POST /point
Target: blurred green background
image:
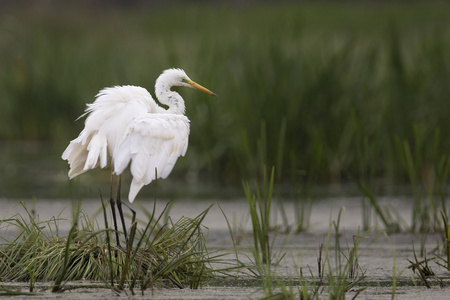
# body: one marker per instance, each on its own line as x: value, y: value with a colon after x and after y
x: 328, y: 92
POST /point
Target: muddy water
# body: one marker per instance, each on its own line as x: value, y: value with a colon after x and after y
x: 382, y: 257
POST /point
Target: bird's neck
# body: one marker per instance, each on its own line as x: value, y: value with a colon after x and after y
x: 170, y: 98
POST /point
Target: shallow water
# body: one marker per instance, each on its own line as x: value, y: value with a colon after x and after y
x: 35, y: 169
x: 378, y: 252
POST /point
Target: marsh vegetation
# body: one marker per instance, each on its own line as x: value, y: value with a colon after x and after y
x: 311, y: 96
x: 329, y: 90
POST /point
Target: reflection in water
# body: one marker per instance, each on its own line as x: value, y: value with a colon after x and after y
x: 35, y: 169
x: 31, y: 169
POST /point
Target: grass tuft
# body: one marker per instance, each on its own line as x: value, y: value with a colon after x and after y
x: 173, y: 255
x: 260, y: 204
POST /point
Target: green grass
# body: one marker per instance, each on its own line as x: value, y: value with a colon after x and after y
x: 338, y: 267
x: 260, y: 203
x: 162, y: 254
x: 301, y: 86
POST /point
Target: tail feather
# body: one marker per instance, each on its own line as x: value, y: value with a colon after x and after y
x: 85, y: 153
x: 97, y: 152
x: 75, y: 154
x: 135, y: 187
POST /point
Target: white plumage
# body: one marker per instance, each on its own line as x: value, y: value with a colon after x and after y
x: 125, y: 126
x: 151, y: 142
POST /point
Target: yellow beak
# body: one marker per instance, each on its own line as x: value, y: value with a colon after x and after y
x: 200, y: 88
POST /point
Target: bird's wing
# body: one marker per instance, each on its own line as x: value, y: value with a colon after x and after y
x: 107, y: 119
x: 86, y: 152
x: 152, y: 143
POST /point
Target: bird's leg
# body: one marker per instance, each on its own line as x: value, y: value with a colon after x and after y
x: 113, y: 209
x: 119, y: 206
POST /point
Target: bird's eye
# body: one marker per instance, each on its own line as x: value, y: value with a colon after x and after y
x: 184, y: 80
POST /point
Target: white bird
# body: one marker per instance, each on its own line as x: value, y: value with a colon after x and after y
x: 125, y: 126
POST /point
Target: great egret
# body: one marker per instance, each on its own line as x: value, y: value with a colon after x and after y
x: 125, y: 126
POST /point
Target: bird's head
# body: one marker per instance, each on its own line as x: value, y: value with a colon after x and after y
x: 177, y: 77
